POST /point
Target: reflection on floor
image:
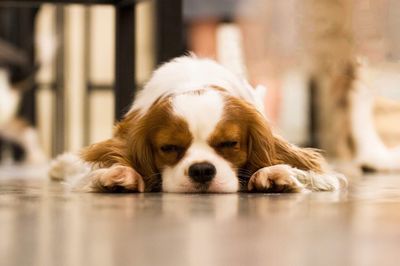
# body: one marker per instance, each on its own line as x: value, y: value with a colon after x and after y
x: 40, y: 224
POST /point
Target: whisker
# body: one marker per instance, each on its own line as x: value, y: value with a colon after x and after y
x: 243, y: 174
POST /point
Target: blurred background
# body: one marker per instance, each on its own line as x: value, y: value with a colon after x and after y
x: 283, y: 45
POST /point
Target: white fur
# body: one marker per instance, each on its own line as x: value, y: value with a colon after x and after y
x: 330, y: 181
x: 175, y: 179
x: 187, y: 73
x: 9, y: 99
x: 67, y: 165
x: 202, y: 113
x: 71, y: 169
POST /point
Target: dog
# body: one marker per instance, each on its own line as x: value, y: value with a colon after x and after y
x: 13, y: 128
x: 371, y: 153
x: 195, y: 127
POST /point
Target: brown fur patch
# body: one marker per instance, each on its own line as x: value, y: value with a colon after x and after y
x: 230, y: 129
x: 138, y: 140
x: 260, y: 146
x: 173, y: 133
x: 107, y: 153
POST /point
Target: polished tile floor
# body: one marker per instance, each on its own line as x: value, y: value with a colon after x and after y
x: 41, y: 224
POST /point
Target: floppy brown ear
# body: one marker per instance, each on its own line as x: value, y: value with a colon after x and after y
x: 107, y: 153
x: 142, y: 157
x: 260, y: 141
x: 135, y: 131
x: 129, y: 147
x: 115, y: 150
x: 301, y: 158
x: 261, y: 147
x: 266, y: 149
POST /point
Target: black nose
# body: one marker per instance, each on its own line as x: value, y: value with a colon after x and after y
x: 202, y: 172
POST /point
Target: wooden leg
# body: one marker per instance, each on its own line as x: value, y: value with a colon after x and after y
x: 125, y: 82
x: 169, y: 29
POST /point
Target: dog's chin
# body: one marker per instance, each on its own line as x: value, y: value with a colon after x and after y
x: 188, y: 187
x: 214, y: 186
x: 200, y: 188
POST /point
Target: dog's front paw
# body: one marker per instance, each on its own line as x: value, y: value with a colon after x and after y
x: 277, y: 178
x: 120, y: 179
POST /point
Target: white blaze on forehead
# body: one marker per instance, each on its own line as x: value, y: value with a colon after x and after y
x: 202, y: 112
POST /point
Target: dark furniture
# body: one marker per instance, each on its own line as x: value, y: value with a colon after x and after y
x: 169, y: 39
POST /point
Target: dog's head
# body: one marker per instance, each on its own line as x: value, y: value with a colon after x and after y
x: 200, y: 141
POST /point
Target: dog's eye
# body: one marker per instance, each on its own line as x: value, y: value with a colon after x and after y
x: 171, y: 148
x: 227, y: 144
